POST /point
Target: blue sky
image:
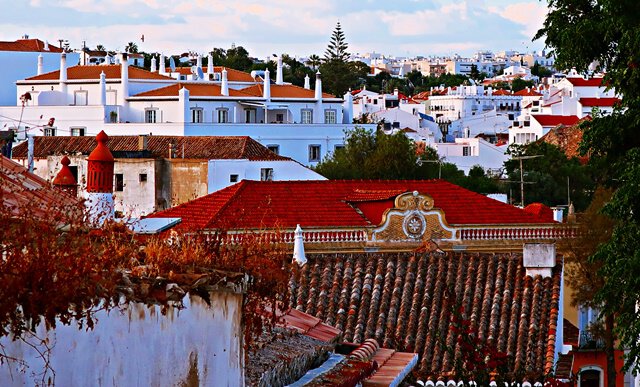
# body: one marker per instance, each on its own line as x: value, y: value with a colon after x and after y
x: 297, y: 27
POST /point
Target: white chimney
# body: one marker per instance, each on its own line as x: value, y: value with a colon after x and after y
x: 266, y: 94
x: 307, y: 82
x: 347, y: 115
x: 558, y: 214
x: 161, y: 66
x: 103, y: 89
x: 154, y: 64
x: 124, y: 77
x: 40, y: 65
x: 46, y: 46
x: 199, y: 61
x: 318, y: 90
x: 224, y: 87
x: 210, y: 64
x: 63, y: 73
x: 183, y: 103
x: 298, y: 247
x: 279, y: 80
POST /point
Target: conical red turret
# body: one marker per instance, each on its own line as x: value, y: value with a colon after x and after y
x: 100, y: 167
x: 64, y: 180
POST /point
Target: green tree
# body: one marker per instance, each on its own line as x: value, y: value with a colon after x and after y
x: 314, y: 61
x: 612, y: 143
x: 131, y: 47
x: 100, y: 47
x: 474, y: 73
x: 337, y: 48
x: 540, y: 71
x: 520, y: 84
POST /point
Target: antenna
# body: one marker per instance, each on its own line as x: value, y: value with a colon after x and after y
x: 522, y: 182
x: 172, y: 64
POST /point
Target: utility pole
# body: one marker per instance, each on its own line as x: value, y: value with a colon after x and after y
x: 522, y: 175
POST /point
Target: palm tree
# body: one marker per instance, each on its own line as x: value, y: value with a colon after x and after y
x: 314, y: 61
x: 131, y: 47
x: 100, y: 47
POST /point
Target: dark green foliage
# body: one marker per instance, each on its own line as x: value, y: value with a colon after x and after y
x: 236, y: 57
x: 548, y: 174
x: 540, y: 71
x: 337, y: 49
x: 520, y: 84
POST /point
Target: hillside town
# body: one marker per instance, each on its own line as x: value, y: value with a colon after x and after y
x: 221, y: 218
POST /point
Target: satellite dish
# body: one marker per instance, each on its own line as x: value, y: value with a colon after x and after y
x: 200, y: 73
x: 172, y: 64
x: 194, y: 71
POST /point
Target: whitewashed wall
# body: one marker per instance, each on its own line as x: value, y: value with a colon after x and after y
x: 139, y: 346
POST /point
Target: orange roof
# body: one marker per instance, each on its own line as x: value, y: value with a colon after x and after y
x: 28, y: 45
x: 93, y: 73
x: 603, y: 102
x: 195, y: 90
x: 528, y: 93
x: 233, y: 75
x: 284, y: 91
x: 591, y: 82
x: 502, y: 92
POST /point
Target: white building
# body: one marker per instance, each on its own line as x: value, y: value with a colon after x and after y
x: 466, y: 153
x: 25, y: 58
x: 304, y: 124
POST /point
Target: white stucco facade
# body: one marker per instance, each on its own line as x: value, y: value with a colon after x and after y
x: 465, y: 153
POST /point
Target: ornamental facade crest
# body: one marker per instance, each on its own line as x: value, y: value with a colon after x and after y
x: 413, y: 219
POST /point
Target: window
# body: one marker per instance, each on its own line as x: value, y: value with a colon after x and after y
x: 266, y: 174
x: 274, y: 148
x: 77, y: 132
x: 196, y: 115
x: 118, y: 184
x: 314, y: 153
x: 80, y: 98
x: 466, y: 150
x: 49, y: 130
x: 223, y: 115
x: 338, y: 147
x: 279, y: 118
x: 233, y: 178
x: 150, y: 116
x: 329, y: 116
x: 249, y: 116
x: 306, y: 116
x: 143, y: 177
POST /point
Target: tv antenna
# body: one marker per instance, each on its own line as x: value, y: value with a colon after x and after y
x: 522, y: 174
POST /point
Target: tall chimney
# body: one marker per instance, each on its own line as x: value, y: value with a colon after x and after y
x: 210, y: 64
x: 161, y: 65
x: 64, y: 180
x: 40, y: 65
x: 307, y: 83
x: 199, y: 61
x: 99, y: 195
x: 124, y: 78
x: 143, y: 142
x: 63, y: 73
x: 266, y: 94
x: 318, y: 90
x: 347, y: 111
x: 224, y: 87
x: 318, y: 114
x: 103, y: 89
x: 154, y: 64
x: 279, y: 80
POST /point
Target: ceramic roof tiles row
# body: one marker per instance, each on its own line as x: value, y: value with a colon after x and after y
x: 405, y: 302
x: 194, y: 147
x: 28, y: 45
x: 93, y: 73
x: 325, y: 204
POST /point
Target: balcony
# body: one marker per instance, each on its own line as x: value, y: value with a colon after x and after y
x: 590, y: 341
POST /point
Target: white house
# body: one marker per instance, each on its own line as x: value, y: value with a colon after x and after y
x: 24, y: 58
x: 302, y: 123
x: 466, y: 153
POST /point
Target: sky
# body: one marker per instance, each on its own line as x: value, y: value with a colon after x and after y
x: 295, y: 27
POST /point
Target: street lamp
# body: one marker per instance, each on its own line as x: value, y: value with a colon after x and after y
x: 421, y: 161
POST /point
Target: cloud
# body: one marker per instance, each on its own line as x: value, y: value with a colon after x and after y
x: 530, y: 15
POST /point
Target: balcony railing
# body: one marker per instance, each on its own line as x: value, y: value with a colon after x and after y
x: 517, y: 232
x: 590, y: 341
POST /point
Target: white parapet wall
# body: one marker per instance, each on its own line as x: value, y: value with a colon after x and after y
x: 139, y: 345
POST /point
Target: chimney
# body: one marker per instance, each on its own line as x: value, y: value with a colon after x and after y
x: 279, y: 80
x: 210, y: 64
x: 347, y: 111
x: 103, y: 89
x: 199, y: 61
x: 63, y: 73
x: 558, y: 213
x: 46, y: 46
x: 307, y: 83
x: 64, y: 180
x: 318, y: 90
x: 143, y: 142
x: 266, y: 94
x: 154, y: 64
x: 124, y: 78
x: 99, y: 195
x: 539, y: 259
x: 183, y: 102
x: 40, y: 65
x: 224, y: 86
x: 298, y: 247
x: 161, y: 66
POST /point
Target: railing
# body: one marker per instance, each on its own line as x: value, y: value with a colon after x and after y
x: 517, y: 232
x: 288, y: 237
x: 590, y: 341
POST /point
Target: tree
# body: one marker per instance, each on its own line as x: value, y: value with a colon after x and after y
x: 337, y: 49
x: 314, y: 61
x: 540, y: 71
x: 520, y: 84
x: 612, y: 143
x: 100, y: 47
x: 131, y: 47
x: 474, y: 73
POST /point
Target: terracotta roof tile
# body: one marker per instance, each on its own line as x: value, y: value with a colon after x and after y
x: 28, y: 45
x: 324, y: 204
x: 553, y: 120
x: 194, y: 147
x: 502, y: 92
x: 284, y: 91
x: 233, y: 75
x: 195, y: 90
x: 602, y: 101
x: 567, y: 138
x: 591, y: 82
x: 527, y: 93
x: 515, y: 312
x: 93, y: 73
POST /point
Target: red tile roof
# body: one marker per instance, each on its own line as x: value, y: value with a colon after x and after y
x: 233, y: 75
x: 527, y: 93
x: 591, y: 82
x: 194, y: 147
x: 256, y: 204
x: 401, y: 301
x: 567, y: 138
x: 284, y: 91
x: 540, y: 210
x: 605, y: 101
x: 310, y: 326
x: 502, y: 92
x: 93, y: 73
x: 195, y: 90
x: 553, y: 120
x: 28, y: 45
